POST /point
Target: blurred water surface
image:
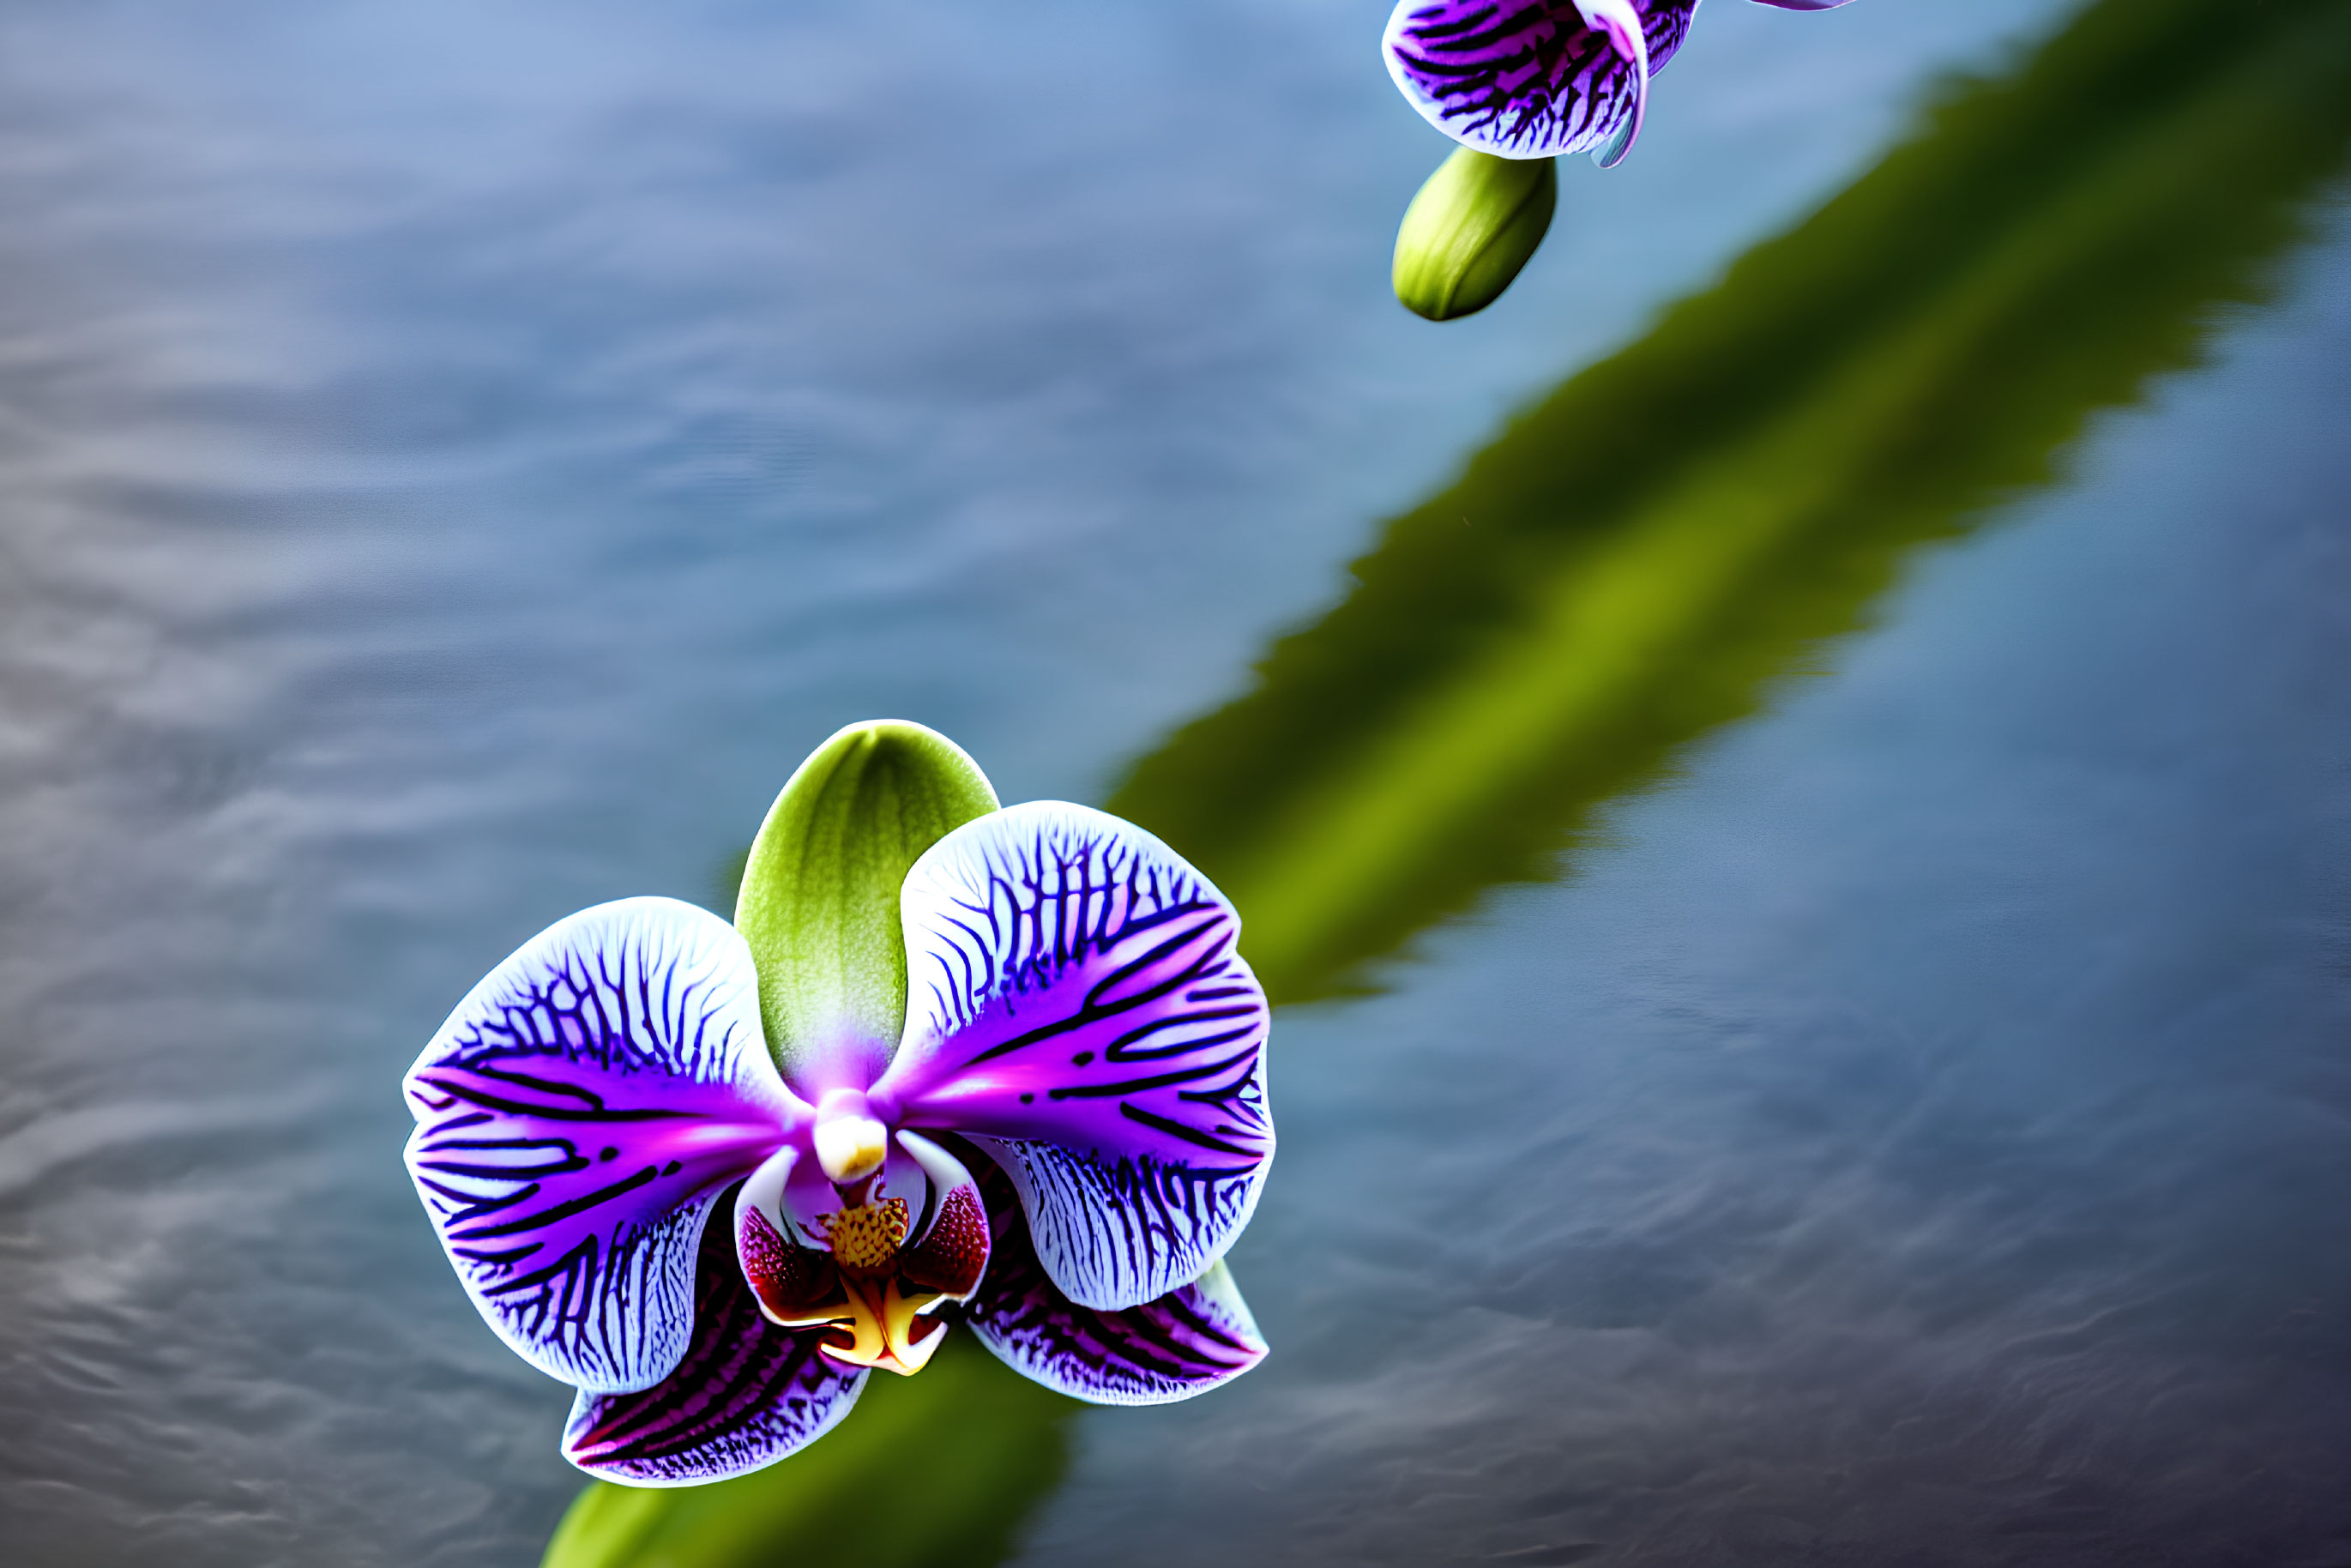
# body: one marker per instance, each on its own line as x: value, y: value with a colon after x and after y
x: 453, y: 462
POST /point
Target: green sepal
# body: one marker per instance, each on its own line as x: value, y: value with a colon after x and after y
x: 819, y: 902
x: 1470, y: 229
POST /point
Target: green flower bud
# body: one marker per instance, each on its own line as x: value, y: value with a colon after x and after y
x: 1469, y: 230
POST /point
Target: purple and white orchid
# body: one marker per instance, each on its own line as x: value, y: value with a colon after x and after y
x: 1534, y: 79
x: 1057, y: 1147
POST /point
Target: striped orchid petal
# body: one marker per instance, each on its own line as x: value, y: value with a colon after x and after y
x: 1076, y: 1007
x: 1184, y: 1343
x: 745, y: 1393
x: 577, y: 1116
x: 1534, y: 79
x: 1620, y: 20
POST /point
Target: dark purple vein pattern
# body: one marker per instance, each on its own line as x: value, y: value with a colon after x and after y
x: 1524, y: 78
x: 577, y: 1116
x: 1076, y: 1004
x: 1184, y: 1343
x: 1115, y: 1234
x: 744, y: 1395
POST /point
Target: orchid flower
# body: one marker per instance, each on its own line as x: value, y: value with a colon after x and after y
x: 1534, y: 79
x: 953, y: 1063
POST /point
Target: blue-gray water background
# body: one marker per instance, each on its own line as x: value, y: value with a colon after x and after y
x: 454, y: 461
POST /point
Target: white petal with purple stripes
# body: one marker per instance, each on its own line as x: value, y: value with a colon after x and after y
x: 1076, y: 1005
x: 1115, y: 1234
x: 577, y: 1116
x: 745, y: 1394
x: 1532, y: 79
x: 1183, y: 1342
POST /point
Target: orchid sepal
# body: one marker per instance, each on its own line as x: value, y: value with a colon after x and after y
x: 1180, y: 1344
x: 819, y: 899
x: 745, y: 1393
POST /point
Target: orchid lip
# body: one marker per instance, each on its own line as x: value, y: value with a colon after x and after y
x: 886, y: 1329
x: 865, y: 1278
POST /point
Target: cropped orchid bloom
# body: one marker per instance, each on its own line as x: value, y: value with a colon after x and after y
x: 1056, y: 1146
x: 1534, y: 79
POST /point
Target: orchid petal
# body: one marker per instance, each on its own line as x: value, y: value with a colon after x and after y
x: 1184, y: 1343
x: 1622, y: 23
x: 1115, y: 1235
x: 1077, y: 1008
x: 1532, y: 78
x: 745, y: 1393
x: 577, y: 1117
x: 1804, y: 4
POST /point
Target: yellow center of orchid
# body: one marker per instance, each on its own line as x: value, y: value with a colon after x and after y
x: 866, y: 1237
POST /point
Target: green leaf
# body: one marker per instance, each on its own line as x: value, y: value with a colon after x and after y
x: 820, y: 898
x: 1646, y: 552
x: 1474, y: 224
x: 936, y: 1471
